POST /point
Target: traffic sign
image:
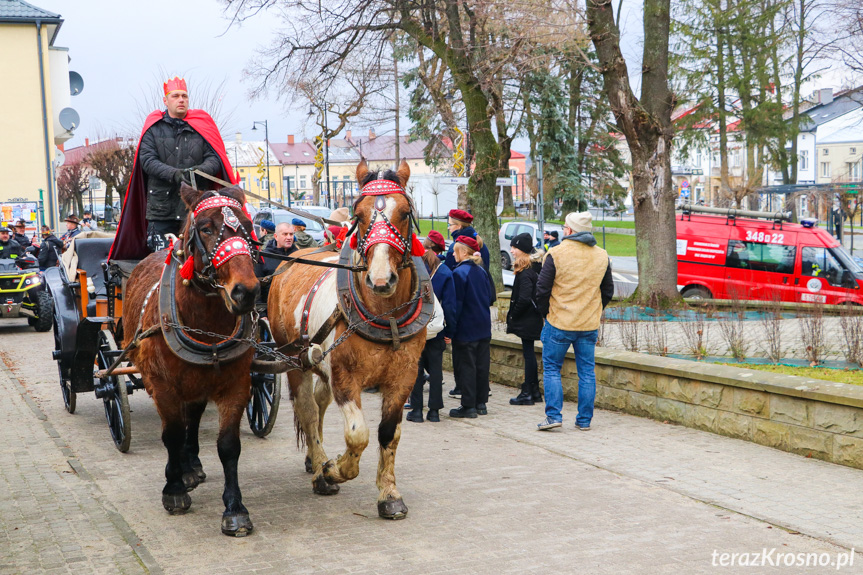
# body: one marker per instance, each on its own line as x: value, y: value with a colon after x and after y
x: 455, y: 181
x: 684, y: 184
x: 503, y: 182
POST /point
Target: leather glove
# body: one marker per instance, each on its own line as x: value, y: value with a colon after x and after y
x: 177, y: 176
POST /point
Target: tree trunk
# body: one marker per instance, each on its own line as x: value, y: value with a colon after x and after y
x: 647, y: 127
x: 724, y: 188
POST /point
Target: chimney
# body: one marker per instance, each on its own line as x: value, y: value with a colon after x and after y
x: 86, y: 141
x: 239, y: 137
x: 372, y: 134
x: 826, y: 95
x: 290, y: 139
x: 348, y: 135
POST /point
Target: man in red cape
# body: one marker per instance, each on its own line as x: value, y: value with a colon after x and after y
x: 171, y: 142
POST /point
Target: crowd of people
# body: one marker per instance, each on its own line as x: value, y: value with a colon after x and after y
x: 15, y: 243
x: 558, y: 296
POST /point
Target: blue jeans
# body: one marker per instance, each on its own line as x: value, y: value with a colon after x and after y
x: 555, y: 344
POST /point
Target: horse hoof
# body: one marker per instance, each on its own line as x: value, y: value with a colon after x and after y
x: 176, y: 503
x: 321, y: 487
x: 191, y: 480
x: 199, y: 472
x: 237, y: 524
x: 309, y: 468
x: 392, y: 508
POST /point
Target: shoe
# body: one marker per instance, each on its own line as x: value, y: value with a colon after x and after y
x: 522, y: 398
x: 481, y: 409
x: 582, y: 427
x: 537, y: 397
x: 408, y: 405
x: 489, y: 392
x: 415, y: 415
x: 433, y: 416
x: 455, y: 393
x: 462, y: 412
x: 547, y: 424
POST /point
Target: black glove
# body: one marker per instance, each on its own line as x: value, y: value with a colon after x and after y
x: 177, y: 177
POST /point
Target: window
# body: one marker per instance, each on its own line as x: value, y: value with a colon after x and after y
x: 303, y: 182
x: 804, y: 160
x: 818, y: 262
x: 854, y: 170
x: 853, y: 151
x: 698, y: 160
x: 761, y: 257
x: 735, y: 159
x: 825, y: 169
x: 346, y: 178
x: 291, y: 183
x: 510, y: 231
x: 826, y: 152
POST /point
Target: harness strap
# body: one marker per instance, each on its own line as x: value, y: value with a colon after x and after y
x: 307, y: 307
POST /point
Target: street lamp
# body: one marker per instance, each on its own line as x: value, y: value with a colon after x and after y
x: 267, y: 152
x: 326, y: 147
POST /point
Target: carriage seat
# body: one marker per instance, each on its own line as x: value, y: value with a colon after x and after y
x: 92, y: 252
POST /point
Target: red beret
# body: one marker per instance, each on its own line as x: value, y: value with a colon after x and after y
x: 436, y: 238
x: 461, y: 216
x: 469, y: 242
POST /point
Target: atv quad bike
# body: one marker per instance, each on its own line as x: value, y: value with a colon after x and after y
x: 22, y: 293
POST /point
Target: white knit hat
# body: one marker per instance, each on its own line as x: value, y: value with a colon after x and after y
x: 579, y: 221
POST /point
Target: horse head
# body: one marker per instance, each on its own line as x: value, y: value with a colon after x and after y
x: 217, y: 242
x: 383, y: 235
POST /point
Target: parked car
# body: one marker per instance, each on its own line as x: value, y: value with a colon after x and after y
x: 313, y: 228
x: 511, y: 229
x: 761, y: 258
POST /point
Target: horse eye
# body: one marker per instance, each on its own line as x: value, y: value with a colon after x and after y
x: 208, y: 230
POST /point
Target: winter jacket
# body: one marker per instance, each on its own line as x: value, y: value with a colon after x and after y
x: 443, y: 285
x: 303, y: 240
x: 575, y: 283
x: 268, y: 265
x: 523, y: 319
x: 48, y: 250
x: 170, y: 146
x: 449, y: 260
x: 473, y: 298
x: 10, y: 249
x: 22, y: 240
x: 68, y: 236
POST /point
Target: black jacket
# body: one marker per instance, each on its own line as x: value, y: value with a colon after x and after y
x: 47, y: 255
x: 11, y: 249
x: 170, y: 146
x: 22, y: 240
x: 546, y: 277
x: 523, y: 319
x: 268, y: 265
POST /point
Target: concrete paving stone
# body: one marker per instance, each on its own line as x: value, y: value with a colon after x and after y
x: 490, y: 495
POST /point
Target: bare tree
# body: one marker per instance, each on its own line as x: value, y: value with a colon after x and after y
x: 72, y: 181
x: 113, y: 165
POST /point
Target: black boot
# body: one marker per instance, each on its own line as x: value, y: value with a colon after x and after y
x: 523, y: 398
x: 534, y: 392
x: 415, y: 415
x: 433, y: 416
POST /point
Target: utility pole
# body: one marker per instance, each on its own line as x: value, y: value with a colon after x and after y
x: 540, y: 204
x: 398, y: 108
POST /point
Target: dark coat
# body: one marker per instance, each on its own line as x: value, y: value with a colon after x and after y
x: 47, y: 255
x: 523, y: 319
x: 168, y: 147
x: 443, y: 285
x: 22, y: 240
x: 473, y: 297
x: 268, y: 265
x: 11, y: 249
x: 449, y: 260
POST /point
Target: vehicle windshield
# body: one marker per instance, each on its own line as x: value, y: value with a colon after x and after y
x: 843, y: 256
x: 311, y: 225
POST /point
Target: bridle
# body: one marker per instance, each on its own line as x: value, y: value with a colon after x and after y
x: 381, y: 230
x: 225, y: 249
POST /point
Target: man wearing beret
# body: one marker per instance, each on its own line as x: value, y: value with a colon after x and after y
x: 301, y: 239
x: 268, y: 228
x: 459, y: 224
x: 573, y: 288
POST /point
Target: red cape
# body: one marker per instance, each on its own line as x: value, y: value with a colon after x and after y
x: 130, y: 243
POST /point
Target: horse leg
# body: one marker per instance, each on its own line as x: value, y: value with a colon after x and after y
x: 323, y: 397
x: 347, y: 466
x: 174, y: 497
x: 235, y: 520
x: 306, y: 412
x: 390, y: 503
x: 193, y: 471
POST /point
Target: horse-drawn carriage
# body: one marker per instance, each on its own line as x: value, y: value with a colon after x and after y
x: 87, y: 290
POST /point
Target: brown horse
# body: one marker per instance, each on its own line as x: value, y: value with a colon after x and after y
x: 216, y: 286
x: 357, y: 363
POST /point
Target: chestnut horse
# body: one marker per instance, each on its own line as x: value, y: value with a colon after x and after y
x: 357, y: 363
x: 214, y: 292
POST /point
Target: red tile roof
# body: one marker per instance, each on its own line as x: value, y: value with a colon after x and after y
x: 79, y: 154
x: 382, y: 148
x: 298, y: 153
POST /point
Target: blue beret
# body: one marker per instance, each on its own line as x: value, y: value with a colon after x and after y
x: 268, y: 225
x: 298, y: 222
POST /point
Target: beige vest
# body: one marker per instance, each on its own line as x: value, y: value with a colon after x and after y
x: 576, y: 303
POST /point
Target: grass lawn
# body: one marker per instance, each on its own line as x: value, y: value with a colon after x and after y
x: 854, y: 377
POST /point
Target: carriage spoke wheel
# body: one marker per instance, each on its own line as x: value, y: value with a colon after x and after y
x: 266, y: 393
x: 65, y: 383
x: 114, y: 395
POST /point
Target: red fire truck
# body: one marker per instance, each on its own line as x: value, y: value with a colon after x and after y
x: 737, y: 254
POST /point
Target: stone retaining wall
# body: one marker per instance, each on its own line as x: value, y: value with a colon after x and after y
x: 810, y: 417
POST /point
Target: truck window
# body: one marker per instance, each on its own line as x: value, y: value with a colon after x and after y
x: 761, y: 257
x: 819, y: 262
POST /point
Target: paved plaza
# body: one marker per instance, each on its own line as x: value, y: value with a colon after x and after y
x: 489, y: 495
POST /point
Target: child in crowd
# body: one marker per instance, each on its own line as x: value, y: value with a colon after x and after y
x: 474, y: 295
x: 523, y: 319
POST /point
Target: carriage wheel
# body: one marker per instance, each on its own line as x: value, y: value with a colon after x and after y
x: 266, y: 394
x: 65, y: 382
x: 115, y: 396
